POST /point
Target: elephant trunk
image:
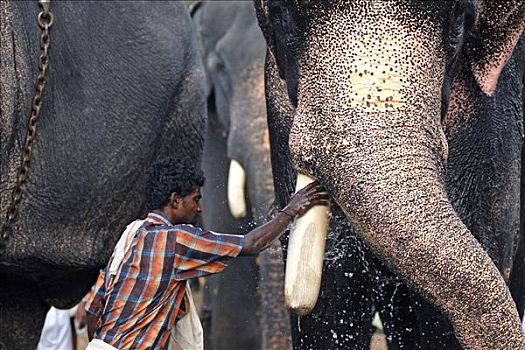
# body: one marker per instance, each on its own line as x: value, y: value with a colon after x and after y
x: 388, y: 180
x: 407, y: 218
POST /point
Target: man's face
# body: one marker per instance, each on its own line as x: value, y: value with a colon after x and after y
x: 191, y: 206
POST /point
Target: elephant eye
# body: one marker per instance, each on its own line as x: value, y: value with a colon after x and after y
x: 215, y: 62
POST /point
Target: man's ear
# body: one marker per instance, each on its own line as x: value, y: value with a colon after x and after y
x: 175, y: 200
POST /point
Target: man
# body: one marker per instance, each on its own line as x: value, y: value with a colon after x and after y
x: 137, y: 306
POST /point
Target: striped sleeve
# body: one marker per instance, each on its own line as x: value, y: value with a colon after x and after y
x: 95, y: 301
x: 199, y: 253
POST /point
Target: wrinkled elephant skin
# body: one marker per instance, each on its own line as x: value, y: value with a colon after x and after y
x: 365, y: 80
x: 125, y: 87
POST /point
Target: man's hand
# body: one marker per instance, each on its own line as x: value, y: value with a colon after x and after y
x: 261, y: 237
x: 304, y: 199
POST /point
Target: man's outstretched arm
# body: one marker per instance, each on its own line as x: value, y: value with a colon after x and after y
x: 262, y: 237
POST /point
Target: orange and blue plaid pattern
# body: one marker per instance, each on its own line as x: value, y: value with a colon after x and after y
x: 141, y: 306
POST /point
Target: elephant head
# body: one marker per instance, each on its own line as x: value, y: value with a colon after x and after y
x: 233, y: 49
x: 236, y: 88
x: 363, y: 87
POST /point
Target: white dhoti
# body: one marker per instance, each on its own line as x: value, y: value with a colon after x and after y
x: 56, y: 334
x: 97, y: 344
x: 187, y: 333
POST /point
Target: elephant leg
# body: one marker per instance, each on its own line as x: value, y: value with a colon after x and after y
x: 275, y: 323
x: 65, y: 291
x: 22, y: 314
x: 435, y: 330
x: 397, y: 310
x: 343, y: 314
x: 410, y: 321
x: 210, y: 287
x: 517, y: 276
x: 233, y: 325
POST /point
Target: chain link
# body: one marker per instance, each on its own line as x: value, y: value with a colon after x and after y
x: 45, y: 21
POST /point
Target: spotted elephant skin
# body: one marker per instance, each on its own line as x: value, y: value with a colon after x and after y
x: 250, y: 292
x: 126, y: 86
x: 410, y: 114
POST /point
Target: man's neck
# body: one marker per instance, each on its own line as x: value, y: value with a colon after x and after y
x: 166, y: 213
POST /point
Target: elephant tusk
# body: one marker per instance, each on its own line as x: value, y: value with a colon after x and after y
x: 377, y: 323
x: 304, y: 263
x: 236, y: 194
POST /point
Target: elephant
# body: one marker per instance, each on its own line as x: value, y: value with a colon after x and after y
x: 386, y: 103
x: 237, y: 158
x: 125, y: 86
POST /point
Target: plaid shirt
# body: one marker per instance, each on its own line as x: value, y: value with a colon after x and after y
x: 141, y: 307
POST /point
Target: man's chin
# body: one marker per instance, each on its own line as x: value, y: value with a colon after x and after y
x: 197, y: 220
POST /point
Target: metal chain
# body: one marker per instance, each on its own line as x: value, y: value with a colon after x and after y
x: 45, y: 21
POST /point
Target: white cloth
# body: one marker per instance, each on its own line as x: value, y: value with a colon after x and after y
x: 122, y: 247
x: 187, y: 333
x: 97, y: 344
x: 56, y: 334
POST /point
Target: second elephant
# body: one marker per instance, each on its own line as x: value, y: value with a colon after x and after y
x: 239, y: 189
x: 358, y: 94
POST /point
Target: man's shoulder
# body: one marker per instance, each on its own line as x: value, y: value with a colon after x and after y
x: 186, y: 228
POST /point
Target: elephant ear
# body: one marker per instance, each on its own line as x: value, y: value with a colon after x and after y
x: 278, y: 22
x: 500, y: 24
x: 275, y: 20
x: 262, y: 11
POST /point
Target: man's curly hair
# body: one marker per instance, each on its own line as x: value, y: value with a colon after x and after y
x: 171, y: 175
